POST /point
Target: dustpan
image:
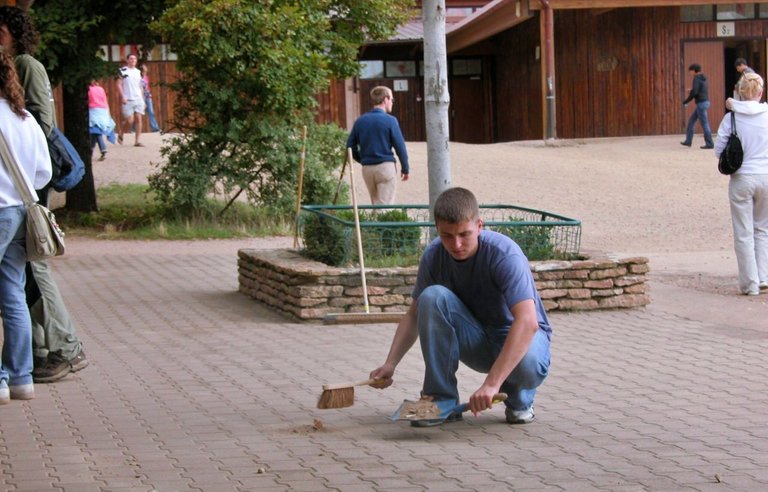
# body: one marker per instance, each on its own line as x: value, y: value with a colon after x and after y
x: 433, y: 412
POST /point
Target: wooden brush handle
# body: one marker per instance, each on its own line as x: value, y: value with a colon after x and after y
x: 335, y: 386
x: 498, y: 398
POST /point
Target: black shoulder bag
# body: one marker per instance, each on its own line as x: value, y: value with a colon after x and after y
x: 733, y: 154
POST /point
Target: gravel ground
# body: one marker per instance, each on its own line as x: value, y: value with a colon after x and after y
x: 645, y: 196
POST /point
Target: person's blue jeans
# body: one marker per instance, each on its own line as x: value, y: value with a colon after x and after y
x: 701, y: 115
x: 98, y: 138
x: 151, y: 114
x: 16, y: 367
x: 450, y: 333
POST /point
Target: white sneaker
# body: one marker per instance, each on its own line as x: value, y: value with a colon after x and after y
x: 763, y: 285
x: 520, y: 416
x: 5, y: 394
x: 22, y: 391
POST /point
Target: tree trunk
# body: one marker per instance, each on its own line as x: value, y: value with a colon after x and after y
x: 436, y: 99
x: 81, y: 198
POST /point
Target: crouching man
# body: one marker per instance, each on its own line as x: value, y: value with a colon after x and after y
x: 474, y: 301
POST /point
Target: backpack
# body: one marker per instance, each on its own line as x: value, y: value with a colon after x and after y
x: 68, y: 167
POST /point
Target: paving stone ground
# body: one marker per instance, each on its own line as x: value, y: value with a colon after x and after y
x: 193, y: 386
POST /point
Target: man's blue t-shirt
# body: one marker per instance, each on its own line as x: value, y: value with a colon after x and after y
x: 497, y: 277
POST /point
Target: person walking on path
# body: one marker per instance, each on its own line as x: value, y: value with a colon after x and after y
x: 131, y: 99
x: 474, y: 301
x: 700, y: 93
x: 57, y: 348
x: 748, y: 187
x: 372, y: 139
x: 146, y: 89
x: 100, y: 122
x: 27, y: 144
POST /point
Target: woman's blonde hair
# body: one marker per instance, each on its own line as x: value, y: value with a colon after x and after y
x: 750, y: 86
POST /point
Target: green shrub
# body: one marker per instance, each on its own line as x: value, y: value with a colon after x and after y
x: 332, y: 243
x: 327, y: 240
x: 390, y: 241
x: 533, y: 240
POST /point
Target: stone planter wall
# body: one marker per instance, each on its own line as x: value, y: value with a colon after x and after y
x: 307, y: 290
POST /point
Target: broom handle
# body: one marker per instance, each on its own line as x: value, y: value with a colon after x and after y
x: 301, y: 182
x: 357, y: 232
x: 341, y: 180
x: 367, y: 382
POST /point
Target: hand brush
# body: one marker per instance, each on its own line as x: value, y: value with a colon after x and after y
x: 341, y: 395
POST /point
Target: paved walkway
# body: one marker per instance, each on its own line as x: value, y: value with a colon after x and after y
x: 193, y: 386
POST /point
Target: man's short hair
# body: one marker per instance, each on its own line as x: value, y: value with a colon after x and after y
x: 456, y: 205
x: 739, y: 62
x: 695, y: 67
x: 22, y: 29
x: 379, y: 93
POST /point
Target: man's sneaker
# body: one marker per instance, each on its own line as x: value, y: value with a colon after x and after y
x: 55, y: 367
x: 78, y: 362
x: 520, y: 416
x: 5, y: 393
x: 763, y: 285
x: 22, y: 391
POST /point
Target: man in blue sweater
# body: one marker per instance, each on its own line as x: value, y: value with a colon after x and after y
x: 372, y: 139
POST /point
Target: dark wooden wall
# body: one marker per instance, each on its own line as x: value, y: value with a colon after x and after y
x: 331, y: 103
x: 163, y: 97
x: 618, y: 72
x: 517, y: 84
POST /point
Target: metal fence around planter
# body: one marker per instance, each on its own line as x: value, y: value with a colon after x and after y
x: 395, y: 235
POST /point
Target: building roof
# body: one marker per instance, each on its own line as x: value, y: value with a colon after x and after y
x: 498, y: 15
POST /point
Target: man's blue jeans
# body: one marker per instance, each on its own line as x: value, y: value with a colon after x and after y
x: 450, y: 333
x: 701, y: 115
x: 16, y: 365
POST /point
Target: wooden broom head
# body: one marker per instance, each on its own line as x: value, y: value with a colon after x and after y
x: 337, y: 398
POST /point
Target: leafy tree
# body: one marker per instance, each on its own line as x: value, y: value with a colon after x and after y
x: 249, y: 73
x: 71, y: 33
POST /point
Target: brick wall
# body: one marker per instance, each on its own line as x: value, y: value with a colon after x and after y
x: 307, y: 290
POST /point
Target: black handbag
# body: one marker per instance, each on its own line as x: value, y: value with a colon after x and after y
x: 733, y: 154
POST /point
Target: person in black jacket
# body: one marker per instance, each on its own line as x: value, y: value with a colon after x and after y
x: 699, y: 93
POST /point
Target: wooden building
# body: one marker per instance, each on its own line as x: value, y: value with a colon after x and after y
x: 618, y: 67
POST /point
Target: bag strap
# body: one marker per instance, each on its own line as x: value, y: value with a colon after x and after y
x: 17, y: 175
x: 733, y: 124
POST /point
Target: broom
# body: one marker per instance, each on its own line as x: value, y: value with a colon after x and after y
x: 341, y: 395
x: 298, y: 194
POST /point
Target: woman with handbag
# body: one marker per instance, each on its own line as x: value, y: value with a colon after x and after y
x: 26, y: 143
x: 748, y: 186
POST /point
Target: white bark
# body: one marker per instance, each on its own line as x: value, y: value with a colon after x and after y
x: 436, y: 98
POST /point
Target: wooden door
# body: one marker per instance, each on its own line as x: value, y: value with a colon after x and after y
x: 468, y: 113
x: 710, y: 55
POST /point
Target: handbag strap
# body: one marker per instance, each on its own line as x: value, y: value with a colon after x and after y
x: 17, y: 175
x: 733, y: 124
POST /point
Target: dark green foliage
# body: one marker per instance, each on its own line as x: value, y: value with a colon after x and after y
x: 249, y: 73
x: 327, y: 240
